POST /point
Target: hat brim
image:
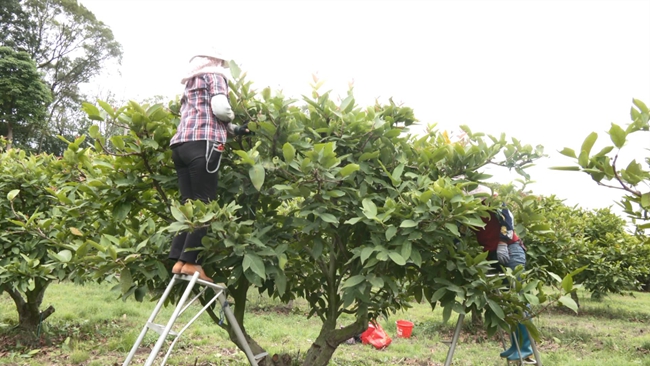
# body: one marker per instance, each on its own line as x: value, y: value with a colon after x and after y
x: 225, y: 62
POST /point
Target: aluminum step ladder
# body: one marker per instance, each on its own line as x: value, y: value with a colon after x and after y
x: 166, y: 331
x: 454, y: 341
x: 522, y: 361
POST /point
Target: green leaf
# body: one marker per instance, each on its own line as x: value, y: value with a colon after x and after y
x: 12, y: 194
x: 532, y: 299
x: 397, y: 173
x: 416, y: 257
x: 406, y: 249
x: 589, y: 143
x: 496, y: 309
x: 347, y: 103
x: 365, y: 253
x: 453, y: 228
x: 353, y: 220
x: 618, y: 135
x: 90, y: 109
x: 438, y: 295
x: 120, y: 211
x: 118, y: 142
x: 408, y: 223
x: 569, y: 152
x: 329, y: 218
x: 282, y: 261
x: 566, y: 168
x: 645, y: 200
x: 583, y: 159
x: 281, y: 283
x: 446, y: 312
x: 390, y: 232
x: 289, y: 152
x: 348, y: 169
x: 353, y: 281
x: 567, y: 283
x: 369, y: 208
x: 567, y: 301
x: 377, y: 282
x: 178, y: 215
x: 245, y: 157
x: 425, y: 196
x: 93, y: 131
x: 255, y: 263
x: 139, y: 293
x: 106, y: 107
x: 368, y: 156
x: 126, y: 281
x: 397, y: 258
x: 639, y: 104
x: 235, y: 71
x: 256, y: 174
x: 65, y: 255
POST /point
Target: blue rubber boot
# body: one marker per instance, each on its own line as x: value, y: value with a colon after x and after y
x: 511, y: 350
x: 524, y: 344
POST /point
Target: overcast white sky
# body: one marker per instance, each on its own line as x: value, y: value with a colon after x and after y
x: 545, y: 72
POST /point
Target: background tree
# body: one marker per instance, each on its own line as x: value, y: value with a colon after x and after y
x: 631, y: 177
x: 24, y: 97
x: 70, y: 46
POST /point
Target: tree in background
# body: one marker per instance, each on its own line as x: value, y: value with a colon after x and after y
x: 614, y: 261
x: 70, y: 46
x: 606, y: 170
x: 24, y: 97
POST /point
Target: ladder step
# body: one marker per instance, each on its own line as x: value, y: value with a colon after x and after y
x: 160, y: 328
x: 261, y: 356
x: 216, y: 286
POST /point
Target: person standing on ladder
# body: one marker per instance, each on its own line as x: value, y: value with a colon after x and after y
x: 499, y: 239
x: 197, y: 146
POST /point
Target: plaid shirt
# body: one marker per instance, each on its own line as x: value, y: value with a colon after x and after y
x: 197, y: 121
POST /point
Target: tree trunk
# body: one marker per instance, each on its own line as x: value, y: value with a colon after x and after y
x: 477, y: 319
x: 29, y: 315
x: 321, y: 351
x: 574, y: 296
x: 239, y: 309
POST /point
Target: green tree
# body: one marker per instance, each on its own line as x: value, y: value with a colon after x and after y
x: 70, y: 46
x: 37, y: 236
x: 328, y: 201
x: 606, y: 170
x: 614, y: 261
x: 24, y: 97
x: 12, y: 21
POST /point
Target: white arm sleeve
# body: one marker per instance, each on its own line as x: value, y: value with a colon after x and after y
x: 221, y: 108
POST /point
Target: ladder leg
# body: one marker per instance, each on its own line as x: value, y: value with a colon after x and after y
x: 172, y: 319
x: 235, y: 326
x: 169, y: 351
x: 153, y: 315
x: 538, y: 358
x: 454, y: 340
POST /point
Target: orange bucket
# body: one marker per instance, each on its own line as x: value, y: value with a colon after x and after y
x: 404, y: 328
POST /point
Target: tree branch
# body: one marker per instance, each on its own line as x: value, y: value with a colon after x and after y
x: 620, y: 181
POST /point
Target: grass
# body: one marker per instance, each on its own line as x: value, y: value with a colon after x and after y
x: 91, y: 326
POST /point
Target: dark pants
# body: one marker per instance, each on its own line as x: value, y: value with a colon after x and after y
x: 196, y: 167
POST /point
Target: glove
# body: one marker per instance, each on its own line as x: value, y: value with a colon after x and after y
x: 502, y: 253
x: 243, y: 130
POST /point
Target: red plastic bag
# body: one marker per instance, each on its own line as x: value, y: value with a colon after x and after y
x: 376, y: 336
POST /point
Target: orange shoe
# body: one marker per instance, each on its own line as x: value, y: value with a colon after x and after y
x: 176, y: 269
x: 189, y: 269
